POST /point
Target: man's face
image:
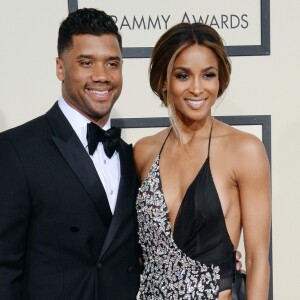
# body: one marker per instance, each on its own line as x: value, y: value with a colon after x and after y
x: 91, y: 75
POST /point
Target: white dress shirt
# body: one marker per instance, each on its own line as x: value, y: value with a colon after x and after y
x: 108, y: 169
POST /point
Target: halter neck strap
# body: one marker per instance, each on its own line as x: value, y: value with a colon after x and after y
x: 165, y: 141
x: 211, y: 128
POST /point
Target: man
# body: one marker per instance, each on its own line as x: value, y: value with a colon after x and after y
x: 67, y: 209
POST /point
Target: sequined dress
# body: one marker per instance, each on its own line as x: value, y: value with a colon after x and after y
x: 176, y: 267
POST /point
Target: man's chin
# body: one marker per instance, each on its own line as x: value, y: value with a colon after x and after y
x: 99, y: 117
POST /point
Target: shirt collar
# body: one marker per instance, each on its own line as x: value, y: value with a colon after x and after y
x: 78, y: 121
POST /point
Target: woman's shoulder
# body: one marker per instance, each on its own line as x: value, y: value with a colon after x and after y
x: 243, y: 149
x: 152, y: 142
x: 147, y: 148
x: 239, y: 153
x: 236, y: 139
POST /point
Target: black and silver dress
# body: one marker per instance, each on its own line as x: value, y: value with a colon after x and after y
x: 197, y: 260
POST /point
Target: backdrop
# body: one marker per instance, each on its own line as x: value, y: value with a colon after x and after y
x: 260, y: 85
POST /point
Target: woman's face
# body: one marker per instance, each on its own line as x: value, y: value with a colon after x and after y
x: 194, y: 83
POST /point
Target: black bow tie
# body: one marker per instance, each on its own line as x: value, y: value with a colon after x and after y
x: 110, y: 139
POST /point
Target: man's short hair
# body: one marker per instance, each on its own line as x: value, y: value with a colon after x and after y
x: 85, y: 21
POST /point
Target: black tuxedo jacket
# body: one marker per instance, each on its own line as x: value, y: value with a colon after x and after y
x: 54, y: 243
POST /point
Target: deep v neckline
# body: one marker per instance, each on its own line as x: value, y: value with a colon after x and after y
x: 191, y: 184
x: 184, y: 197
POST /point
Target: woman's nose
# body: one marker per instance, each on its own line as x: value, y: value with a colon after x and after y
x: 196, y: 87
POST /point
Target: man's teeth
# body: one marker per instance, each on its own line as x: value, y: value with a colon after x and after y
x: 99, y: 92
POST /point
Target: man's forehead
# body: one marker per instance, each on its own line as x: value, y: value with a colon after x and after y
x: 87, y: 44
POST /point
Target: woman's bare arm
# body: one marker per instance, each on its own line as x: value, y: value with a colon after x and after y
x: 253, y: 178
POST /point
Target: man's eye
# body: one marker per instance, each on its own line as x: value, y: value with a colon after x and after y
x: 86, y: 63
x: 113, y: 64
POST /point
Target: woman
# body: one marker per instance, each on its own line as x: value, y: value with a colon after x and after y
x: 202, y: 180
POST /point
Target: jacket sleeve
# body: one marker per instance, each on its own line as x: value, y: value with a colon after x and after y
x: 14, y: 220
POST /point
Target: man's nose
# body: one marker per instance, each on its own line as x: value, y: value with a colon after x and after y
x: 100, y: 74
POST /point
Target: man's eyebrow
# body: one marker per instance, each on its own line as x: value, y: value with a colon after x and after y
x: 80, y: 56
x: 114, y: 58
x: 84, y: 56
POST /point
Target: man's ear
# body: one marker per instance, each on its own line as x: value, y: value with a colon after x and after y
x: 60, y: 73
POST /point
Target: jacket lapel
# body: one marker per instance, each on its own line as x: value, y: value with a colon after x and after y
x: 79, y: 161
x: 127, y: 192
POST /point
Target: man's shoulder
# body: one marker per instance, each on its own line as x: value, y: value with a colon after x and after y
x: 29, y: 128
x: 34, y: 127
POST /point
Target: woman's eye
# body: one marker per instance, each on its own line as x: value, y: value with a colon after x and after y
x: 181, y: 76
x: 210, y: 75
